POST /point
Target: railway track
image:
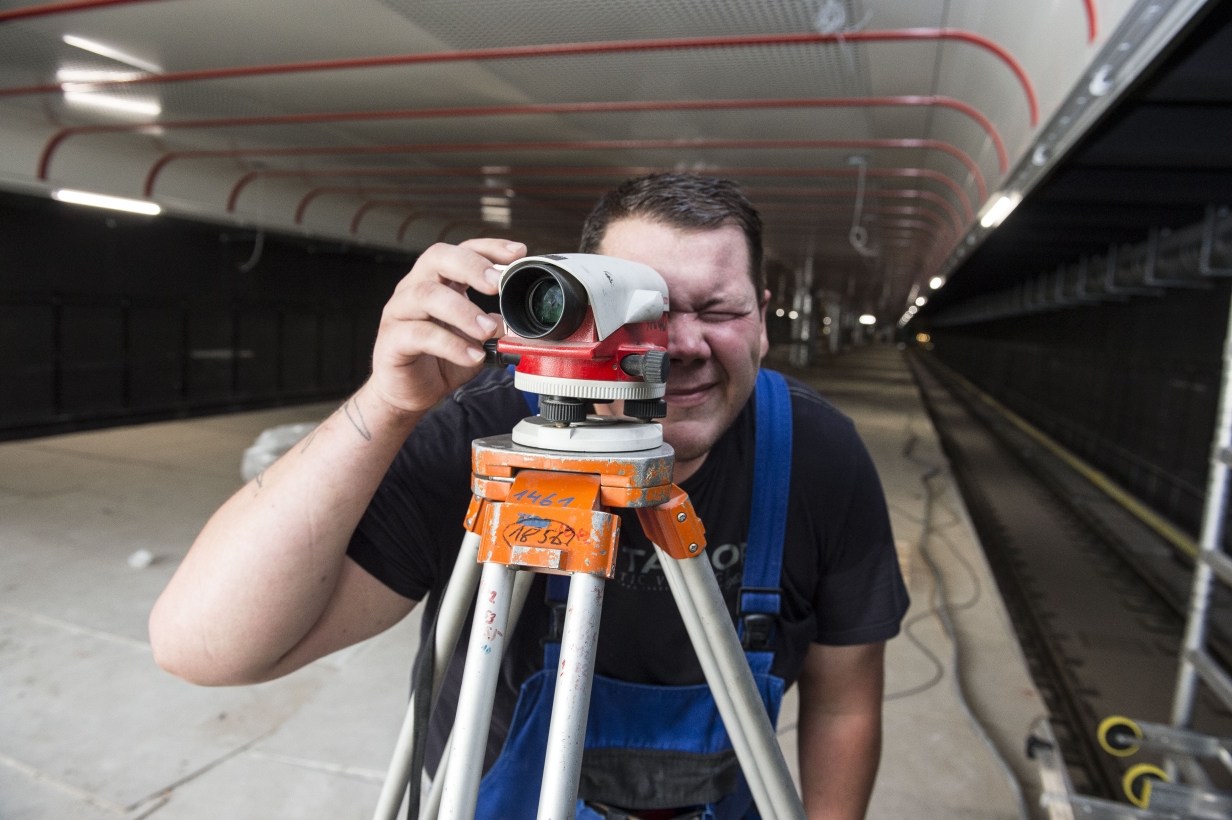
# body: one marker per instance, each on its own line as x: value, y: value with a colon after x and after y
x: 1099, y: 615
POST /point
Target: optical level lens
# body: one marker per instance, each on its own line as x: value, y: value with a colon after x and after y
x: 541, y: 301
x: 546, y: 302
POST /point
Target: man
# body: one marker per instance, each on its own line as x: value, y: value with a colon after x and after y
x: 341, y: 537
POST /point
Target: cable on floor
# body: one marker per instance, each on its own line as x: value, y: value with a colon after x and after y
x: 942, y: 609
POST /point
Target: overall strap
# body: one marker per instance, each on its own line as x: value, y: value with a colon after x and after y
x: 763, y: 556
x: 532, y: 399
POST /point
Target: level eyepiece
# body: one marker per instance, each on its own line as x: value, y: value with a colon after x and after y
x: 540, y: 301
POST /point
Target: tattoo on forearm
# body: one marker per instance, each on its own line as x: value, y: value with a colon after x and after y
x: 356, y: 417
x: 308, y: 441
x: 260, y: 479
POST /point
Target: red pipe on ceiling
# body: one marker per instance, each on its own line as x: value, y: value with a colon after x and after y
x: 1092, y: 20
x: 757, y: 192
x: 909, y: 193
x: 63, y: 134
x: 580, y: 49
x: 546, y: 171
x: 416, y: 215
x: 48, y: 9
x: 909, y: 210
x: 490, y: 230
x: 437, y: 209
x: 891, y: 173
x: 412, y: 217
x: 406, y: 223
x: 907, y: 143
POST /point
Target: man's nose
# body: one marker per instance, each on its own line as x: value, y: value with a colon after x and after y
x: 686, y: 339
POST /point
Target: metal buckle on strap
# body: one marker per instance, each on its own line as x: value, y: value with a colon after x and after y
x: 556, y: 621
x: 757, y: 627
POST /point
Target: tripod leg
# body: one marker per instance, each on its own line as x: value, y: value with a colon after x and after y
x: 732, y: 674
x: 710, y: 667
x: 562, y: 765
x: 432, y: 807
x: 454, y: 603
x: 479, y: 677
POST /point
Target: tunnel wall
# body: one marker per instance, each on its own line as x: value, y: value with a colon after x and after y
x: 109, y: 318
x: 1130, y: 387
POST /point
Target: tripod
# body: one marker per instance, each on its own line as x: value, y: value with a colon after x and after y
x: 536, y: 509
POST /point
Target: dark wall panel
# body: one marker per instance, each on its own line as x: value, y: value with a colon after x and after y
x: 27, y: 355
x: 1130, y: 387
x: 155, y: 369
x: 108, y: 318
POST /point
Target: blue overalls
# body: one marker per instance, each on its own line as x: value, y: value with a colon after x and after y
x: 680, y: 724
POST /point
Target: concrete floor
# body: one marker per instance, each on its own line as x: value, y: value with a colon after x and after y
x: 934, y: 764
x: 90, y: 728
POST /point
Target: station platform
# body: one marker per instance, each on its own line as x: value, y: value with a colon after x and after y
x: 91, y: 728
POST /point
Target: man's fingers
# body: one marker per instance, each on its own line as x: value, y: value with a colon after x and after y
x: 500, y: 251
x: 426, y: 338
x: 435, y: 300
x: 450, y: 264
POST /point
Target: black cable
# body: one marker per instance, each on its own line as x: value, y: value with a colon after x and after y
x: 942, y: 609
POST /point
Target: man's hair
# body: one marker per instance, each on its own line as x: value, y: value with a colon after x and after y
x: 684, y: 201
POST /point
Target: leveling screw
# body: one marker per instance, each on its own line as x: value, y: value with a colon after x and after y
x: 692, y: 547
x: 681, y: 518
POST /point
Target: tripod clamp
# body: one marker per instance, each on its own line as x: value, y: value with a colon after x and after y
x: 547, y: 510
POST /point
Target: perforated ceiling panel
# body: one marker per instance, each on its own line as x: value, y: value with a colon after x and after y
x: 400, y: 122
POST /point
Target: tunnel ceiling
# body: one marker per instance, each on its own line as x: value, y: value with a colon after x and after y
x: 398, y: 123
x: 1158, y: 158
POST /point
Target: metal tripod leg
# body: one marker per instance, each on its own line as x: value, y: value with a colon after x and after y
x: 562, y: 765
x: 727, y: 671
x: 454, y: 603
x: 432, y: 807
x: 475, y: 698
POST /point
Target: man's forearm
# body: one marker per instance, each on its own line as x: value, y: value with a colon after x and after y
x: 838, y: 764
x: 840, y: 728
x: 262, y: 570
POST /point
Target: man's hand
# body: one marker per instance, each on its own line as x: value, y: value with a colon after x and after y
x: 431, y: 336
x: 840, y: 728
x: 267, y: 586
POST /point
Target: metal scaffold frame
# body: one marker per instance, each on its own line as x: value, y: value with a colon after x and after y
x: 1182, y: 789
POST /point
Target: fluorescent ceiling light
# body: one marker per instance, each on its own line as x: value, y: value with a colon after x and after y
x: 868, y: 319
x: 145, y: 107
x: 135, y: 206
x: 495, y: 210
x: 936, y: 282
x: 111, y: 53
x: 1000, y: 209
x: 90, y: 75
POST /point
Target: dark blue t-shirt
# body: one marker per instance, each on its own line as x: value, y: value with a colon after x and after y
x: 840, y: 580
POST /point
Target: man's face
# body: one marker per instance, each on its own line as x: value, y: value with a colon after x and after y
x: 716, y: 327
